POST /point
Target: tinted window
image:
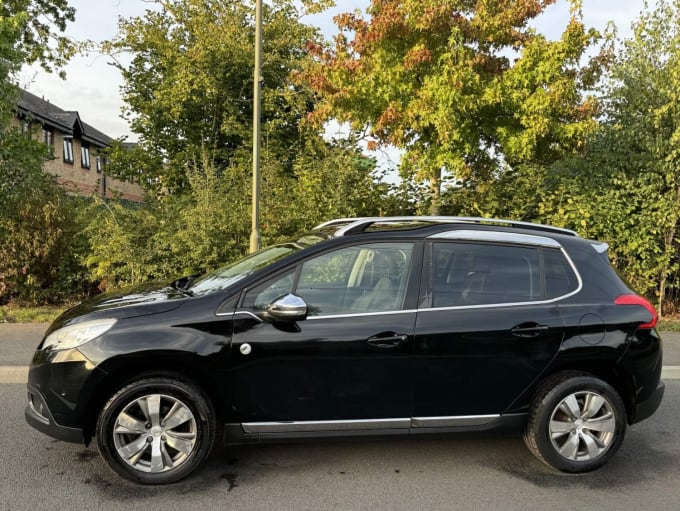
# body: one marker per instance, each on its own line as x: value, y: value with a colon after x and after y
x: 362, y: 278
x: 559, y: 275
x: 265, y: 293
x: 481, y: 274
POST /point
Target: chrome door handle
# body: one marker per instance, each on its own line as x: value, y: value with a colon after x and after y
x: 388, y: 341
x: 529, y: 330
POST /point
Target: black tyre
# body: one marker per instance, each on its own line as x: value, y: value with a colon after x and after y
x: 156, y: 430
x: 576, y: 423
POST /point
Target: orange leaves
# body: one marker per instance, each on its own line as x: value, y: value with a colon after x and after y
x: 419, y: 54
x: 388, y: 117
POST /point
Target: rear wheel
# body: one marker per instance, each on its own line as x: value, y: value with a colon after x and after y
x: 156, y: 430
x: 576, y: 423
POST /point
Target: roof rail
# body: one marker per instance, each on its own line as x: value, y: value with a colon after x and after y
x: 354, y: 225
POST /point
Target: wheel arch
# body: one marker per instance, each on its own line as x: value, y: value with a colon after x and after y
x: 608, y: 372
x: 120, y: 371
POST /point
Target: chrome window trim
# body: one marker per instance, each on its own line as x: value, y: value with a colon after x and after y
x: 496, y: 236
x: 455, y: 307
x: 359, y: 314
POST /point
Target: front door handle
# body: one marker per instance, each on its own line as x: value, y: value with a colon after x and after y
x: 529, y: 330
x: 388, y: 340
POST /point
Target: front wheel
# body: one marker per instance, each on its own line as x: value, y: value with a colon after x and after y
x: 156, y: 430
x: 576, y: 423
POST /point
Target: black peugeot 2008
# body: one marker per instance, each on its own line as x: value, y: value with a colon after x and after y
x: 365, y: 326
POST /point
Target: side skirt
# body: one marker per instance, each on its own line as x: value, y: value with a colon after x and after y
x: 253, y: 432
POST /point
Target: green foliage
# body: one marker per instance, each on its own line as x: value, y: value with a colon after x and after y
x: 33, y: 30
x: 463, y: 87
x: 625, y: 189
x: 189, y: 85
x: 39, y: 243
x: 209, y: 224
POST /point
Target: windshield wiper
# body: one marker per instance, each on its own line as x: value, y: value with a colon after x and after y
x: 182, y: 284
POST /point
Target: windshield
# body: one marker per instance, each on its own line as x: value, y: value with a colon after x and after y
x: 227, y: 275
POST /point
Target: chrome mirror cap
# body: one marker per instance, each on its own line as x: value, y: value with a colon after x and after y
x: 288, y: 308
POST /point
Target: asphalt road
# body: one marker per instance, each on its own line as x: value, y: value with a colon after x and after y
x: 456, y: 472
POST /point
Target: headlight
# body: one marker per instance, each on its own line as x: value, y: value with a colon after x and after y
x: 75, y: 335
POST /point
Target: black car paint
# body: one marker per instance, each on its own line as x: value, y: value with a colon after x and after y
x: 164, y: 330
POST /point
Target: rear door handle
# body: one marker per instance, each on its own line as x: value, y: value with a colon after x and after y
x: 529, y: 330
x: 390, y: 340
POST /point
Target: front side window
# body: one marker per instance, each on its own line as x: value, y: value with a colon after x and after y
x: 68, y: 150
x: 351, y: 280
x: 85, y: 157
x: 465, y: 274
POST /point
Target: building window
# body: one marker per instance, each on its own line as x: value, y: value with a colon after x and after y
x: 85, y: 157
x: 68, y: 150
x: 100, y: 164
x: 47, y: 136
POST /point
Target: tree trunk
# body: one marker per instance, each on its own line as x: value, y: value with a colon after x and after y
x: 436, y: 192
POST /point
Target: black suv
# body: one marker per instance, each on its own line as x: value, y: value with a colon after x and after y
x: 364, y: 326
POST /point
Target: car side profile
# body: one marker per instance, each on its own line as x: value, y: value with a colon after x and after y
x: 363, y: 326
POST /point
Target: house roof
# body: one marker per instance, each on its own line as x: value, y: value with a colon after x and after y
x: 68, y: 122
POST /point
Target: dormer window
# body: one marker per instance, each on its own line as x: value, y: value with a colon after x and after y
x: 68, y: 150
x: 85, y: 156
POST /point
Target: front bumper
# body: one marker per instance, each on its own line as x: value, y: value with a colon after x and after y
x: 39, y: 416
x: 646, y: 408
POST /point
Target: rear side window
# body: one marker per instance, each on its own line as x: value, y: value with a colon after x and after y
x: 560, y: 278
x: 467, y: 274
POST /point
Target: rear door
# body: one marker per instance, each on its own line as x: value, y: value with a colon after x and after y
x: 485, y: 329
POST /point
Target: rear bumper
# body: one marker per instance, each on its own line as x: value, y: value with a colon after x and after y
x: 39, y: 416
x: 646, y: 408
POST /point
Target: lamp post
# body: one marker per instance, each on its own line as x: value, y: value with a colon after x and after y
x: 257, y: 89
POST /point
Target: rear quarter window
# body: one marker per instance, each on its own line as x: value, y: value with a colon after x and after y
x: 560, y: 278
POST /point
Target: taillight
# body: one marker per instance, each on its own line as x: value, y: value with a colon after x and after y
x: 638, y: 300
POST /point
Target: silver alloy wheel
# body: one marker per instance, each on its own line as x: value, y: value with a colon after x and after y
x: 582, y: 426
x: 155, y: 433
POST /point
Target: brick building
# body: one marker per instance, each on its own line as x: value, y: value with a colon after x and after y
x: 78, y: 160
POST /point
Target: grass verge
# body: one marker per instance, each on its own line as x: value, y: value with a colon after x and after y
x: 668, y: 325
x: 15, y: 314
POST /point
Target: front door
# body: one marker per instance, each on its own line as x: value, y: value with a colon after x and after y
x: 348, y: 362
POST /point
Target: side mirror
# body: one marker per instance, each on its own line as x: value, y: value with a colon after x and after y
x: 287, y: 308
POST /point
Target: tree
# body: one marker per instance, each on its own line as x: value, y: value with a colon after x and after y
x: 188, y: 86
x: 434, y: 77
x: 36, y: 220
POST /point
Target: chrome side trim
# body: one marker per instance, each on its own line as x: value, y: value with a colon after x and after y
x: 453, y: 421
x: 496, y: 236
x: 342, y: 425
x: 369, y: 424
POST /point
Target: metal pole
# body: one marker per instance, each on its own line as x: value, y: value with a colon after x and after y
x: 257, y: 89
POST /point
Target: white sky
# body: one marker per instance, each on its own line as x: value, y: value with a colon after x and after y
x: 92, y: 86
